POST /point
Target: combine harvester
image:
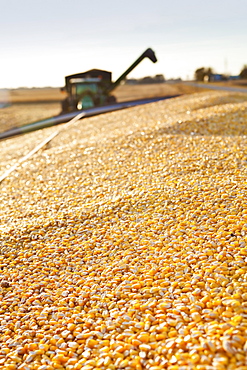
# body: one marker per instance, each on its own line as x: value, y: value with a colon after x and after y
x: 88, y: 92
x: 93, y: 88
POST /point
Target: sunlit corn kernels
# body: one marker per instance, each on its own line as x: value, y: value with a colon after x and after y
x: 124, y: 244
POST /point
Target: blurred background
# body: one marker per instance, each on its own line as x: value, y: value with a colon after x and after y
x: 43, y: 41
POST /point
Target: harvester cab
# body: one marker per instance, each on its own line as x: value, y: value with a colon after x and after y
x: 93, y: 88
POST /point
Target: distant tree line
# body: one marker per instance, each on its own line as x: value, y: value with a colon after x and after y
x: 202, y: 74
x: 207, y: 74
x: 243, y: 73
x: 147, y: 80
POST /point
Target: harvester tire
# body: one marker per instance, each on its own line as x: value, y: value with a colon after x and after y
x: 111, y: 99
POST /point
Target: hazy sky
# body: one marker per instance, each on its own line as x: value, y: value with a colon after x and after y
x: 43, y: 40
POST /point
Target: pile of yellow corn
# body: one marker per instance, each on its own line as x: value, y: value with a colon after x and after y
x: 123, y: 244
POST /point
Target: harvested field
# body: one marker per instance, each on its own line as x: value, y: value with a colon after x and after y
x: 18, y: 115
x: 29, y: 105
x: 122, y: 93
x: 123, y: 243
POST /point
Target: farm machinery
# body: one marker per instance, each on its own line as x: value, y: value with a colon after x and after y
x: 93, y: 88
x: 88, y: 94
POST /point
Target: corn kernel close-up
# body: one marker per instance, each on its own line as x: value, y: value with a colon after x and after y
x: 123, y: 242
